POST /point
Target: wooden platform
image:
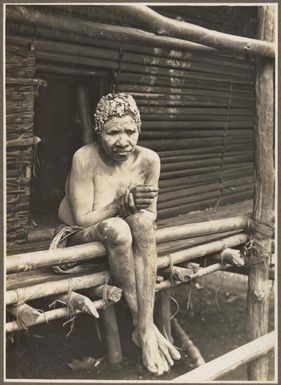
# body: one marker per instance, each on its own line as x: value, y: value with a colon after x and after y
x: 41, y: 236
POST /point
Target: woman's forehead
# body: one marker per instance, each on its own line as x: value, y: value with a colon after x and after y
x: 120, y: 121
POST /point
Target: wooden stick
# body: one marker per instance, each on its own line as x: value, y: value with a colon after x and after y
x: 78, y: 302
x: 25, y: 315
x: 165, y: 314
x: 112, y: 335
x: 112, y: 293
x: 23, y: 142
x: 49, y: 316
x: 30, y: 261
x: 200, y: 273
x: 232, y: 257
x: 231, y: 360
x: 213, y: 57
x: 263, y: 212
x: 171, y: 246
x: 201, y: 250
x: 187, y: 344
x: 84, y: 111
x: 162, y: 25
x: 64, y: 285
x: 91, y: 29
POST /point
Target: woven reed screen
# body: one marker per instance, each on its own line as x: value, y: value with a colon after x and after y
x: 197, y: 111
x: 20, y: 69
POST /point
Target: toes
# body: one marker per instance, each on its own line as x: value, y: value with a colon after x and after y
x: 152, y: 368
x: 174, y: 353
x: 166, y: 366
x: 167, y: 356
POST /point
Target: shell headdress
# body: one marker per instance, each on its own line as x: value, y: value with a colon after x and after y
x: 110, y: 105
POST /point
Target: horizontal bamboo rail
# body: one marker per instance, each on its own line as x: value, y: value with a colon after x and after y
x: 202, y: 250
x: 51, y: 315
x: 200, y: 273
x: 231, y: 360
x: 91, y: 29
x: 162, y: 25
x: 207, y: 56
x: 30, y: 261
x: 40, y: 290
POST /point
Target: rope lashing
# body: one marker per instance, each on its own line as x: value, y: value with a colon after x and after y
x: 255, y: 249
x: 261, y: 230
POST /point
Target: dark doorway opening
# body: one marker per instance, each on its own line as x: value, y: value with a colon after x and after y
x: 57, y: 123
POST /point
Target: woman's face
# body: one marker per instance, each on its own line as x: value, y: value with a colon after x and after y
x: 119, y: 137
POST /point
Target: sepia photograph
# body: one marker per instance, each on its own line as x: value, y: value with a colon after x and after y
x: 140, y: 193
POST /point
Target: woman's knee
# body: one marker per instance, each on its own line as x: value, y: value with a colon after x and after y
x: 115, y: 231
x: 141, y: 223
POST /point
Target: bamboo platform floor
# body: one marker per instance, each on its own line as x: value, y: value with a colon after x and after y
x: 47, y: 226
x: 216, y: 323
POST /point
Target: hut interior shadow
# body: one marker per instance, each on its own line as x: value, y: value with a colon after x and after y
x: 58, y: 123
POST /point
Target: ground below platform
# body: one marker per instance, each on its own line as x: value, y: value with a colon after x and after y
x: 215, y: 321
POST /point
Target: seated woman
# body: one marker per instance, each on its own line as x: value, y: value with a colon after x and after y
x: 111, y: 195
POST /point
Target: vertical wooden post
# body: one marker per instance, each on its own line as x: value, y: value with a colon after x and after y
x: 258, y: 283
x: 85, y: 115
x: 112, y: 335
x: 165, y: 313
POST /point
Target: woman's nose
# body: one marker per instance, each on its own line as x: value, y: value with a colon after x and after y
x: 122, y: 140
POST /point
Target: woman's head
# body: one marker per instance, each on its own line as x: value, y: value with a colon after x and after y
x: 115, y: 105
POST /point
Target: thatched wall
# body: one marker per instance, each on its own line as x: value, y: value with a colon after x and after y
x: 197, y: 109
x: 20, y: 70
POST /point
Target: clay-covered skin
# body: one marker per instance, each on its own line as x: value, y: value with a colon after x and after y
x: 112, y: 191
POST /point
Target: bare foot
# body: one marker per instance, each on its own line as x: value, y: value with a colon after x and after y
x: 167, y: 350
x: 152, y: 357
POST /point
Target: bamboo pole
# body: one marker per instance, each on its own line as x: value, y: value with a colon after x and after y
x: 187, y: 344
x: 33, y: 260
x: 263, y: 215
x: 200, y: 273
x: 202, y: 250
x: 56, y: 287
x: 186, y: 54
x: 23, y: 14
x: 112, y: 337
x: 162, y: 25
x: 50, y: 315
x: 230, y: 361
x: 84, y: 111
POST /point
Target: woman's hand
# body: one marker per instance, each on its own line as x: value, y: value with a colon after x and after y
x: 143, y: 195
x: 134, y: 199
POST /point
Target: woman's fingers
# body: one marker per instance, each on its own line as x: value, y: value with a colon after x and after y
x: 145, y: 195
x: 132, y: 205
